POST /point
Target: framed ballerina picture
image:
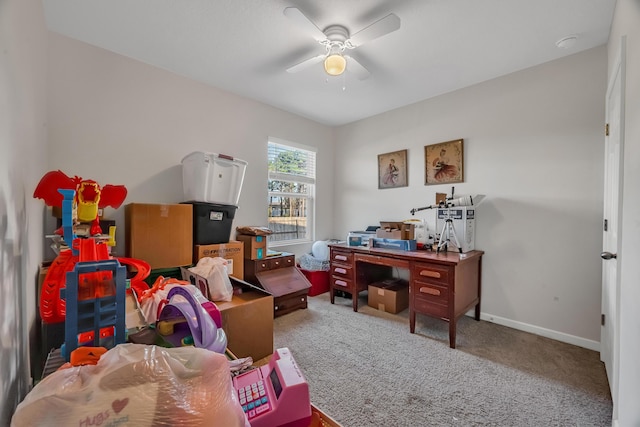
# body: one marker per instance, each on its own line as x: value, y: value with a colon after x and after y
x: 443, y: 162
x: 392, y: 169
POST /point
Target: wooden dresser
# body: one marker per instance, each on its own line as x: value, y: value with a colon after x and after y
x: 444, y: 285
x: 279, y: 276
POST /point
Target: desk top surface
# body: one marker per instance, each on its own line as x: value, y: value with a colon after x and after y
x: 421, y: 255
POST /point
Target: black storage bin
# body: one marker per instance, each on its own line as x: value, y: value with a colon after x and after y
x: 212, y: 222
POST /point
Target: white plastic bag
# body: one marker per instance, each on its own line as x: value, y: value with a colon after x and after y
x: 213, y: 269
x: 137, y: 385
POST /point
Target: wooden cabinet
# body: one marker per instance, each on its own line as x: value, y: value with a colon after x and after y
x: 443, y: 285
x: 280, y: 277
x: 253, y: 266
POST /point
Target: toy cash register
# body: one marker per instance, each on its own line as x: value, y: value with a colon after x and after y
x: 275, y: 395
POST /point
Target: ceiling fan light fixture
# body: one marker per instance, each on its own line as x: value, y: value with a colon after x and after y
x: 335, y: 64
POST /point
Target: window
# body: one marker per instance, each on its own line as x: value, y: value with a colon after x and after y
x: 292, y: 179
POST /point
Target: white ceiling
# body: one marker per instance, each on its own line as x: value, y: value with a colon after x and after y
x: 245, y: 46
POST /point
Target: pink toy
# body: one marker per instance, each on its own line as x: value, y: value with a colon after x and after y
x: 275, y: 395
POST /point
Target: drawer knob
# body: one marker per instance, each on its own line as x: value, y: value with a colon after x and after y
x: 430, y: 273
x: 340, y: 257
x: 430, y: 291
x: 341, y: 283
x: 340, y: 270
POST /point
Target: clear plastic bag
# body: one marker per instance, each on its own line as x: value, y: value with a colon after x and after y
x: 137, y: 385
x: 213, y: 269
x: 311, y: 263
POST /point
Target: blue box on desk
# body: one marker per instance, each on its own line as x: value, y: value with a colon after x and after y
x: 401, y: 245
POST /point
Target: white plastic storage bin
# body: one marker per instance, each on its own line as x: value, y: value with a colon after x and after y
x: 212, y: 178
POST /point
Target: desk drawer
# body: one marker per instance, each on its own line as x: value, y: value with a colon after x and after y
x: 272, y: 264
x: 435, y: 310
x: 431, y: 293
x: 342, y: 284
x: 290, y: 302
x: 342, y: 270
x: 260, y: 265
x: 342, y: 257
x: 282, y: 262
x: 431, y: 273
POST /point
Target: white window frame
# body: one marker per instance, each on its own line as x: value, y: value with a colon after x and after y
x: 310, y: 196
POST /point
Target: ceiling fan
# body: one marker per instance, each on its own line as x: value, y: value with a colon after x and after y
x: 336, y: 39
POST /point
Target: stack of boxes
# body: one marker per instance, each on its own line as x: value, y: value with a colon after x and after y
x: 212, y: 184
x: 172, y: 236
x: 255, y: 247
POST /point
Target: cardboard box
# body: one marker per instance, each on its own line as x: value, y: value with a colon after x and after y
x: 160, y: 234
x: 402, y: 245
x: 395, y: 230
x: 247, y: 321
x: 390, y: 295
x: 255, y: 247
x: 232, y: 252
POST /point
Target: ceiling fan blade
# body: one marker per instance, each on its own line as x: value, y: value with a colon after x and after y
x: 305, y: 64
x: 304, y: 23
x: 381, y: 27
x: 357, y: 68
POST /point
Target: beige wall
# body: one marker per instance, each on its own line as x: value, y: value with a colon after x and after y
x: 23, y: 151
x: 533, y: 145
x: 120, y: 121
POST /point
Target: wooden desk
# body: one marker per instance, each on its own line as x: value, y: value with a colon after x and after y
x: 444, y: 285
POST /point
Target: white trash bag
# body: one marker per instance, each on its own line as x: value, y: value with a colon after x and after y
x: 213, y: 269
x: 137, y: 385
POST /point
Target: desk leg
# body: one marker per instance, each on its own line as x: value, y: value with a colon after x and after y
x: 354, y: 298
x: 477, y: 313
x: 332, y: 294
x: 452, y: 333
x: 412, y: 321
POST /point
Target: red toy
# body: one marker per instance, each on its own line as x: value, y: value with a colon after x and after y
x: 89, y: 196
x: 53, y: 308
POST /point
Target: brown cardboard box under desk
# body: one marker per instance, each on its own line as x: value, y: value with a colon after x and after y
x: 160, y: 234
x: 390, y: 295
x: 232, y: 252
x: 247, y: 321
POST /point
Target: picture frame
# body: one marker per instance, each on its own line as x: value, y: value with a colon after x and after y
x: 392, y: 170
x: 444, y: 162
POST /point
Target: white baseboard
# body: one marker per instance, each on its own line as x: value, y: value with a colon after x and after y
x: 548, y: 333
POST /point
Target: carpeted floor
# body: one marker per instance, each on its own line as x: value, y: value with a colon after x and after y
x: 367, y: 369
